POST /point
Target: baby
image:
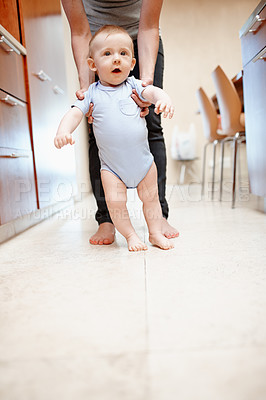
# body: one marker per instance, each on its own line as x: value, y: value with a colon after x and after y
x: 121, y: 134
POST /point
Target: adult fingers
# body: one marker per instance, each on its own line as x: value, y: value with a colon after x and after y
x: 89, y: 114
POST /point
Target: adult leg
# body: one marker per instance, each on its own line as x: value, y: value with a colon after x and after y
x: 156, y: 139
x: 148, y: 194
x: 116, y: 199
x: 106, y: 231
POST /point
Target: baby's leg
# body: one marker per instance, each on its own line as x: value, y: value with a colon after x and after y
x: 148, y: 194
x: 116, y: 199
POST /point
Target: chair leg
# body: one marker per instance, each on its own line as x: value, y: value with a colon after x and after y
x: 213, y: 168
x: 234, y: 172
x: 222, y: 170
x: 182, y: 174
x: 203, y: 169
x: 239, y: 163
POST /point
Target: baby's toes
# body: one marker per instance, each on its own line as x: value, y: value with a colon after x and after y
x: 166, y: 244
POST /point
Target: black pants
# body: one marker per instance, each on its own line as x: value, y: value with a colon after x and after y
x: 156, y: 143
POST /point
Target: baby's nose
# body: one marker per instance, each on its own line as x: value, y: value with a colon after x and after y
x: 116, y: 58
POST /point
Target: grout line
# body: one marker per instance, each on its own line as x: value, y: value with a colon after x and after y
x: 147, y: 383
x: 146, y: 304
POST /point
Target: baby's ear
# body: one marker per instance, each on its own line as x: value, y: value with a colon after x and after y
x: 133, y: 63
x: 91, y: 64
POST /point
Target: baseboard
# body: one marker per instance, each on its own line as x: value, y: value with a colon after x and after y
x: 19, y: 225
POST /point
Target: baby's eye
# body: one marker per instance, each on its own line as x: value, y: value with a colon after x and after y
x: 123, y: 53
x: 107, y: 53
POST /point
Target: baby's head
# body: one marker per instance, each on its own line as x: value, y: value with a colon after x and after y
x: 111, y: 55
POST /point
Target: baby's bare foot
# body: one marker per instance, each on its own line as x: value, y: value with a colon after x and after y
x: 159, y: 240
x: 104, y: 235
x: 168, y: 230
x: 135, y: 244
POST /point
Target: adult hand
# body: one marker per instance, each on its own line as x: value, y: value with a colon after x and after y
x: 89, y: 114
x: 80, y: 96
x: 144, y: 105
x: 80, y: 93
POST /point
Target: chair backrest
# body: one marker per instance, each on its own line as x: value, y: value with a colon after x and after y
x: 228, y: 101
x: 209, y: 115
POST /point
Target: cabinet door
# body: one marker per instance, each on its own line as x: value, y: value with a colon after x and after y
x: 14, y: 123
x: 44, y: 42
x: 9, y: 17
x: 12, y: 78
x: 254, y: 39
x: 255, y: 112
x: 17, y: 185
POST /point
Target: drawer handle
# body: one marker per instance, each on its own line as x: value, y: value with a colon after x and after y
x: 5, y: 42
x: 14, y: 155
x: 12, y: 101
x: 257, y: 20
x: 260, y: 56
x: 42, y: 76
x: 58, y: 90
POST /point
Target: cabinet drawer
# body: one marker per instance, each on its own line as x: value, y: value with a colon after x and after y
x: 14, y: 126
x: 253, y: 39
x: 255, y: 111
x: 12, y: 78
x: 17, y: 184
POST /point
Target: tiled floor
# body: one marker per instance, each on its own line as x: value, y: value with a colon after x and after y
x: 82, y: 322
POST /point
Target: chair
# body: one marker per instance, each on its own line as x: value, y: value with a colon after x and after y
x: 210, y: 125
x: 233, y: 122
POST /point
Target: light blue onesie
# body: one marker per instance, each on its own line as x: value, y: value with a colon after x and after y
x: 121, y: 134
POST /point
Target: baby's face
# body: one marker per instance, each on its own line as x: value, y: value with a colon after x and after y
x: 112, y: 58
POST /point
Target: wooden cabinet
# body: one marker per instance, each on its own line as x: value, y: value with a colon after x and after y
x: 17, y: 194
x: 11, y: 69
x: 17, y: 179
x: 9, y: 17
x: 14, y: 124
x: 253, y: 42
x: 43, y: 36
x: 33, y: 173
x: 253, y: 37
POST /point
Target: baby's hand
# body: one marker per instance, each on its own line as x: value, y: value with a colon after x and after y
x: 62, y: 140
x: 164, y: 107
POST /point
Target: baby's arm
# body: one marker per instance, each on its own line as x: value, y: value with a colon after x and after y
x: 162, y: 101
x: 69, y: 123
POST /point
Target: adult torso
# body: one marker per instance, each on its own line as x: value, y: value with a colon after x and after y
x: 124, y: 13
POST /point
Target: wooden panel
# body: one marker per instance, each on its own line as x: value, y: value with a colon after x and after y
x: 45, y: 55
x: 255, y: 111
x: 17, y: 185
x: 40, y: 8
x: 14, y: 124
x: 9, y: 17
x: 12, y: 73
x: 252, y: 43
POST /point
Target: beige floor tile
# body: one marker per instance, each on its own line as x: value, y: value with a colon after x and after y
x: 62, y: 296
x: 204, y: 304
x: 115, y: 377
x: 73, y: 309
x: 98, y: 322
x: 210, y: 290
x: 231, y: 374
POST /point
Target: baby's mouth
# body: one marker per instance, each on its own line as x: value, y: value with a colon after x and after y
x: 116, y: 70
